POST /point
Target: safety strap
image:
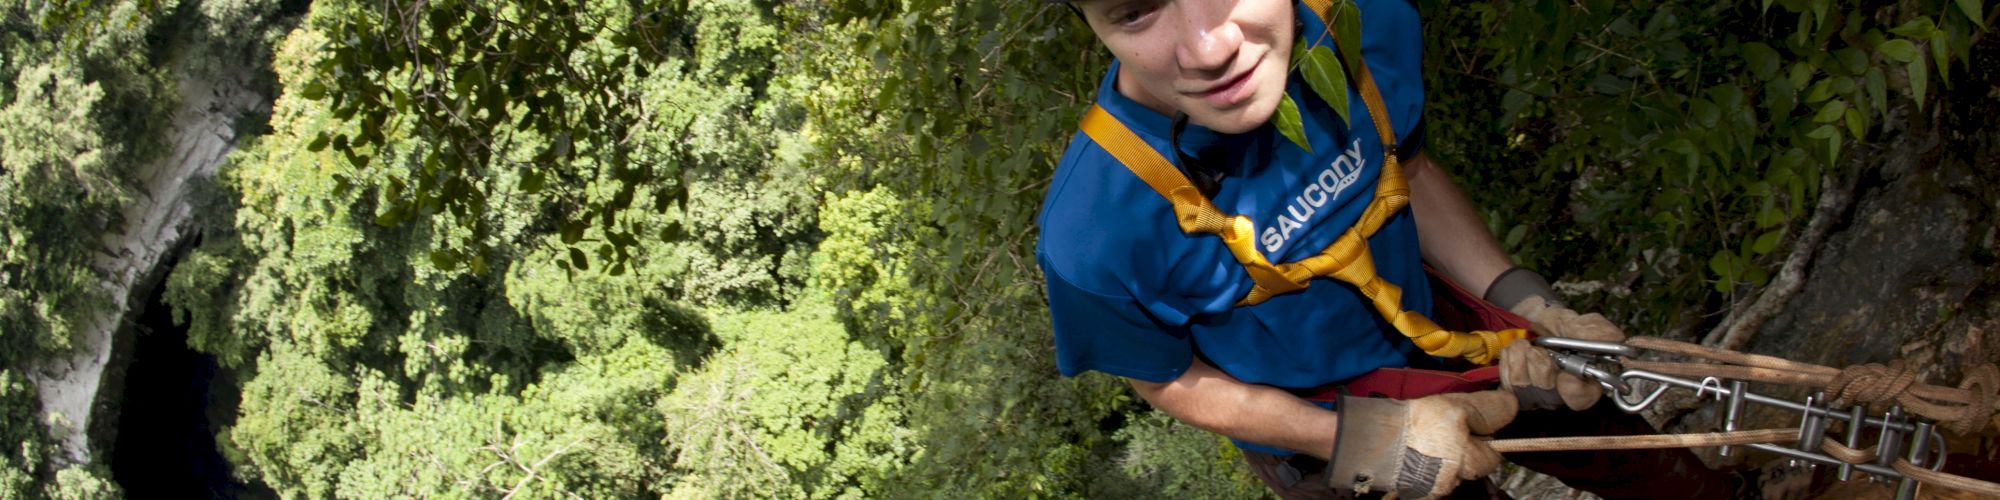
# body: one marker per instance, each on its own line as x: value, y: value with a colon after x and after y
x: 1347, y: 259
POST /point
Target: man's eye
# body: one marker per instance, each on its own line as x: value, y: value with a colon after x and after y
x: 1127, y: 15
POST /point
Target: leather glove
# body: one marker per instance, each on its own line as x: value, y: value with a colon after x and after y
x: 1420, y: 448
x: 1530, y: 371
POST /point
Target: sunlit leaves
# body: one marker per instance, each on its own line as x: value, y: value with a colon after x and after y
x: 1324, y: 75
x: 477, y: 78
x: 1286, y: 119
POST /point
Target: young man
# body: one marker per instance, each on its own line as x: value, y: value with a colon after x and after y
x: 1138, y: 289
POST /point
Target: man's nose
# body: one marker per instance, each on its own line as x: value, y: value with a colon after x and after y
x: 1209, y: 40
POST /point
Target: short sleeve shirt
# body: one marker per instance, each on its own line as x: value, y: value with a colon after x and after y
x: 1131, y: 295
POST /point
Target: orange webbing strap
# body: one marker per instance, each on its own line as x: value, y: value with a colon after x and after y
x: 1347, y: 259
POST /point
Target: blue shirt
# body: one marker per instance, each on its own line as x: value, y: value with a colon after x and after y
x: 1131, y: 295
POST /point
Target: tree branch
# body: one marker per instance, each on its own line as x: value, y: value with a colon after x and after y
x: 1742, y: 323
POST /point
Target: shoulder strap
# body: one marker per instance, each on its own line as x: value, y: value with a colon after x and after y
x: 1370, y: 95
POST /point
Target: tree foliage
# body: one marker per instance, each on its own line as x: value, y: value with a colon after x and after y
x: 1682, y: 144
x: 80, y: 107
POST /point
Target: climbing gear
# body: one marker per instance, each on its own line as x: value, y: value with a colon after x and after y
x: 1517, y: 284
x: 1907, y: 447
x: 1419, y: 448
x: 1347, y: 259
x: 1454, y: 308
x: 1534, y: 375
x: 1542, y: 385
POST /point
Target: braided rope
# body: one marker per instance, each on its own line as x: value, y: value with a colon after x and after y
x: 1964, y: 409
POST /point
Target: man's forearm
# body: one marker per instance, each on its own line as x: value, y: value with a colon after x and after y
x: 1454, y: 240
x: 1211, y: 400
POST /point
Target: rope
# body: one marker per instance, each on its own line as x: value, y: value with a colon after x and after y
x: 1643, y: 442
x: 1841, y: 452
x: 1947, y: 480
x: 1857, y: 456
x: 1963, y: 409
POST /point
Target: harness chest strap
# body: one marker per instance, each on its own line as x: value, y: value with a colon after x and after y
x: 1347, y: 259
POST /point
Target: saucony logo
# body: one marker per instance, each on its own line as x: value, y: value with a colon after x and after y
x: 1325, y: 187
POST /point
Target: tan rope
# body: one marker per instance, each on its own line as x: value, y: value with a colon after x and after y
x: 1962, y: 410
x: 1948, y: 480
x: 1864, y: 455
x: 1727, y: 356
x: 1643, y: 442
x: 1841, y: 452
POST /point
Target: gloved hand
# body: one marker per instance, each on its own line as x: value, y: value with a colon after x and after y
x: 1420, y: 448
x: 1530, y: 371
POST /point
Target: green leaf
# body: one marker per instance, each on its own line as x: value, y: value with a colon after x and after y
x: 1974, y: 11
x: 1323, y: 73
x: 1515, y: 235
x: 1347, y: 27
x: 1705, y: 112
x: 1830, y: 111
x: 313, y: 91
x: 572, y: 231
x: 1513, y: 102
x: 577, y: 259
x: 1819, y: 8
x: 1941, y: 53
x: 1762, y: 59
x: 1919, y: 77
x: 1855, y: 126
x: 1770, y: 215
x: 1824, y: 132
x: 443, y: 260
x: 1688, y: 153
x: 1921, y: 27
x: 1819, y: 91
x: 391, y: 218
x: 1288, y: 123
x: 1723, y: 264
x: 1800, y: 74
x: 1768, y: 242
x: 1781, y: 96
x: 318, y: 143
x: 1755, y: 274
x: 1878, y: 89
x: 532, y: 181
x: 1899, y: 50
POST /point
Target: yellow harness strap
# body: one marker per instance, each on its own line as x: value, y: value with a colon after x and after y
x: 1347, y: 259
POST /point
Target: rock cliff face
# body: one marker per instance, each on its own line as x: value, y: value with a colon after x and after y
x: 156, y: 227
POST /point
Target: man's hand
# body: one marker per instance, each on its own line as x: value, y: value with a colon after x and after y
x: 1420, y: 448
x: 1534, y: 376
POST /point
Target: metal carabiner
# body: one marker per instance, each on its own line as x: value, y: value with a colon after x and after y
x: 1582, y: 358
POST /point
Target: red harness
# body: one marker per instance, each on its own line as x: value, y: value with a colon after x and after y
x: 1454, y: 309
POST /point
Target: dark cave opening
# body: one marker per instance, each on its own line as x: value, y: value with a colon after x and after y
x: 166, y: 445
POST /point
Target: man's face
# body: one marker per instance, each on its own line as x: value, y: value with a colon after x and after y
x: 1223, y: 62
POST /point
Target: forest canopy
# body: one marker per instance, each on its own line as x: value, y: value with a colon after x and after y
x: 744, y: 248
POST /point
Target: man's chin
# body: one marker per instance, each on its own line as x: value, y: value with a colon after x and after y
x: 1236, y: 120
